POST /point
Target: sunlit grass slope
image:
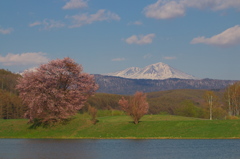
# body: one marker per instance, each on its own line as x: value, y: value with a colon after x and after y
x: 151, y: 126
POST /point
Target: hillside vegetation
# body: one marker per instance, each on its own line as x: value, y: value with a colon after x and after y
x: 151, y: 126
x: 8, y: 81
x: 184, y: 102
x: 11, y: 106
x: 170, y: 101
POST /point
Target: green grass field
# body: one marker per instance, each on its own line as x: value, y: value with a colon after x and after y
x: 151, y: 126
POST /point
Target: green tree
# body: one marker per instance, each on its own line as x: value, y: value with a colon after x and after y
x: 188, y: 109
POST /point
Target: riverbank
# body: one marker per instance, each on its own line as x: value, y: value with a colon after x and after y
x: 121, y: 127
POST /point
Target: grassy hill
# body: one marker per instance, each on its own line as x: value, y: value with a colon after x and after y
x: 151, y: 126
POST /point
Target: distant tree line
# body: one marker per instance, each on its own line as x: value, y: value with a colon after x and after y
x: 8, y: 81
x: 11, y: 106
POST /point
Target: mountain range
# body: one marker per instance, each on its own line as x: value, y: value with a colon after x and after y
x: 127, y: 86
x: 154, y: 71
x: 153, y: 78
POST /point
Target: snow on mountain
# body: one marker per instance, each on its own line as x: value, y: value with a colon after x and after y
x: 127, y: 72
x: 155, y: 71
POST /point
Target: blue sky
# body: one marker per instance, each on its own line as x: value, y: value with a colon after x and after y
x: 201, y: 38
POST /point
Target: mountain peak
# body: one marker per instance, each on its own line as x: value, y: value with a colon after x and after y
x: 154, y: 71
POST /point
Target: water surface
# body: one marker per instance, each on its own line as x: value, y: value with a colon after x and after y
x: 119, y: 149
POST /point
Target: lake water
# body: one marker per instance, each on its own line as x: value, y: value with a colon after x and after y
x: 119, y: 149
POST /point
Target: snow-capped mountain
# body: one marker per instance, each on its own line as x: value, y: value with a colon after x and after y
x: 155, y: 71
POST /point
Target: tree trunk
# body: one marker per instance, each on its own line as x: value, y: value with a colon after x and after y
x: 210, y: 104
x: 136, y: 121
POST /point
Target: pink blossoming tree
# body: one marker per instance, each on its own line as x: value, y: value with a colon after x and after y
x: 55, y: 91
x: 136, y: 107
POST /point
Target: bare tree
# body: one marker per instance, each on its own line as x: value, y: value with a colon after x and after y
x: 136, y: 107
x: 232, y: 96
x: 211, y: 100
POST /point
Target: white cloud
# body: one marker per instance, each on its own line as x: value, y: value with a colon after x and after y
x: 227, y: 38
x: 35, y: 24
x: 169, y: 57
x: 6, y: 31
x: 135, y: 23
x: 83, y: 19
x: 118, y: 59
x: 75, y: 4
x: 211, y: 4
x: 166, y: 9
x: 141, y: 39
x: 28, y: 58
x: 47, y: 24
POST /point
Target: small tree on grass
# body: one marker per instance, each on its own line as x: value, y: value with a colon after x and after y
x: 136, y: 107
x: 93, y: 113
x: 55, y: 91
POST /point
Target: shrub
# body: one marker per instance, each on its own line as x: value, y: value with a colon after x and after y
x: 93, y: 113
x: 232, y: 117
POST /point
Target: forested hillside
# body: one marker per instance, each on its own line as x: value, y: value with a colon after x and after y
x: 104, y: 101
x: 184, y: 102
x: 8, y: 81
x: 10, y: 104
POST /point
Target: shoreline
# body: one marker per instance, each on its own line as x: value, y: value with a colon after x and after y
x: 128, y: 138
x: 119, y: 127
